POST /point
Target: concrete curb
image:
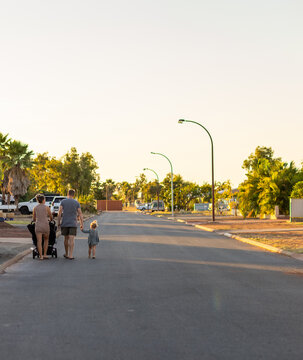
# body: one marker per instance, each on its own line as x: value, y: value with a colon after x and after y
x: 247, y: 241
x: 14, y: 260
x: 258, y: 244
x: 205, y: 228
x: 252, y: 242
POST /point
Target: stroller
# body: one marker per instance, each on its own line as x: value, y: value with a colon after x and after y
x: 52, y: 251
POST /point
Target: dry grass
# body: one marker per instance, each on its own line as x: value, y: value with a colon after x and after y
x: 290, y: 241
x: 253, y: 224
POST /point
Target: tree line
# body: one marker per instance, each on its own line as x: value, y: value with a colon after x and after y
x: 269, y: 181
x: 23, y: 175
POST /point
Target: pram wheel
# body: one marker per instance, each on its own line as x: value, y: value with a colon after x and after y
x: 55, y: 254
x: 34, y: 254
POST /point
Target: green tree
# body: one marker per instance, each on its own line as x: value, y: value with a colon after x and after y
x: 269, y: 182
x: 46, y: 175
x: 15, y: 163
x: 150, y: 191
x: 109, y: 187
x: 79, y: 172
x: 205, y: 193
x: 185, y: 192
x: 4, y: 143
x: 124, y: 189
x: 140, y: 187
x: 297, y: 191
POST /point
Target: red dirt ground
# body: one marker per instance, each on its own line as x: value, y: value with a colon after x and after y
x: 10, y: 231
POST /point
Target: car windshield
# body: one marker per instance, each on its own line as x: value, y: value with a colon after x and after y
x: 58, y: 200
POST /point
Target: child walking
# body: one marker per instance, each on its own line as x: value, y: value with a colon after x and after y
x: 93, y: 239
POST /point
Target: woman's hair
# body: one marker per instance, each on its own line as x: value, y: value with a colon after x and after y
x: 40, y: 198
x: 94, y: 224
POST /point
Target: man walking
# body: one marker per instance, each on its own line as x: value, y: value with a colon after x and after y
x: 69, y: 210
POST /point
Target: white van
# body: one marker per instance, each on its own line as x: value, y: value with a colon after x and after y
x: 154, y: 205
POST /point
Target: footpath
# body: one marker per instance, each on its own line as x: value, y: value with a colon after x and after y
x: 279, y: 236
x: 15, y: 243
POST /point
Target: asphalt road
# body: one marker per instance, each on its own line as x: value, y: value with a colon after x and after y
x: 157, y: 290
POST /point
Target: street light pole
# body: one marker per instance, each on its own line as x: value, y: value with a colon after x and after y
x: 158, y: 183
x: 172, y: 181
x: 181, y: 121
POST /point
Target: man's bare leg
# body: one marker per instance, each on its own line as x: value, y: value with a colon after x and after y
x: 71, y: 245
x: 89, y: 251
x: 66, y: 241
x: 94, y: 251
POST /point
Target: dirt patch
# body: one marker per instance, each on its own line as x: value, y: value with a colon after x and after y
x: 4, y: 225
x: 249, y: 224
x: 9, y: 231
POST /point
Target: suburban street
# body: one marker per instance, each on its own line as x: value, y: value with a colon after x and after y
x: 156, y: 290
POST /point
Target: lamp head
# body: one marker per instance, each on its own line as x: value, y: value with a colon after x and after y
x: 181, y: 121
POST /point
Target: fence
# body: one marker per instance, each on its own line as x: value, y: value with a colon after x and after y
x: 109, y: 205
x: 296, y: 210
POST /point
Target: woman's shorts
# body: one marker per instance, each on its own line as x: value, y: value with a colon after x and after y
x: 65, y: 231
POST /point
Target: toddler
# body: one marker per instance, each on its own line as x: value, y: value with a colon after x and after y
x: 93, y: 239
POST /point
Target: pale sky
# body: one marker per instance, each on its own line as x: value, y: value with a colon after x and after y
x: 113, y: 78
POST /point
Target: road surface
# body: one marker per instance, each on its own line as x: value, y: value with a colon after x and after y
x: 157, y: 290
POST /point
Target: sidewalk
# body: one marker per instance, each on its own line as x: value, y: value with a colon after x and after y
x: 15, y: 243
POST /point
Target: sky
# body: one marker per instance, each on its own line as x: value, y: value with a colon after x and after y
x: 113, y: 78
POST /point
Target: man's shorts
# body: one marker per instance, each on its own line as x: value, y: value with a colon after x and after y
x: 65, y: 231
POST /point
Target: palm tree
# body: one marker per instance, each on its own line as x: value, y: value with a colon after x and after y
x: 110, y: 187
x: 4, y: 143
x: 15, y: 164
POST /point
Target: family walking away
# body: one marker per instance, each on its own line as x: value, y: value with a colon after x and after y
x: 93, y: 239
x: 69, y: 213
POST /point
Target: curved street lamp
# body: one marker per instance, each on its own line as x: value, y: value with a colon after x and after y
x: 157, y: 180
x: 181, y: 121
x: 172, y: 181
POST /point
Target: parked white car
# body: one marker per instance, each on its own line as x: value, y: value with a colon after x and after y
x: 56, y: 204
x: 27, y: 207
x: 7, y: 208
x: 143, y: 207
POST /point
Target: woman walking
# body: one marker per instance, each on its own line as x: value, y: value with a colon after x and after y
x: 41, y: 216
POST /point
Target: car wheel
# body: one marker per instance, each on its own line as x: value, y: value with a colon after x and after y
x: 24, y: 210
